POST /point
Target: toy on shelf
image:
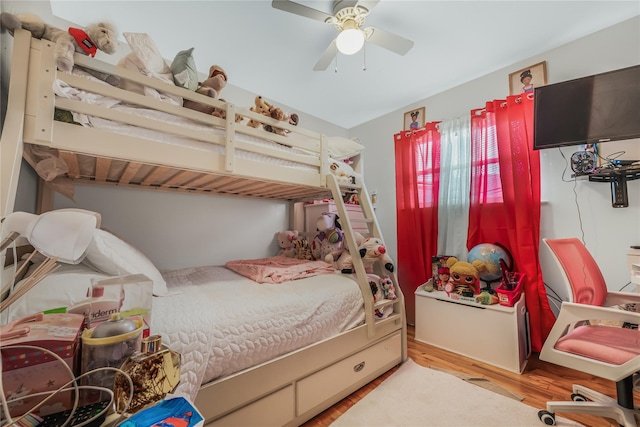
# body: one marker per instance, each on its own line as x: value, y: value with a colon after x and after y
x: 464, y: 277
x: 439, y: 271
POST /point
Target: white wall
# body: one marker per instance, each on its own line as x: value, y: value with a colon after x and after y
x: 587, y: 213
x: 178, y: 230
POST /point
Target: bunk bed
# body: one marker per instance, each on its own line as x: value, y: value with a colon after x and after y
x: 214, y: 156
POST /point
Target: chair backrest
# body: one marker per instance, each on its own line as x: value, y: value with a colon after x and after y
x: 581, y: 270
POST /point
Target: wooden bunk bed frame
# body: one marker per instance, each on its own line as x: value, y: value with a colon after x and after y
x: 289, y: 389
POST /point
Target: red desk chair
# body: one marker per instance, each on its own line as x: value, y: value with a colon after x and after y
x: 597, y: 348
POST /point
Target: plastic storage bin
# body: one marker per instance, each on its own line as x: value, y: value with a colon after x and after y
x: 509, y: 297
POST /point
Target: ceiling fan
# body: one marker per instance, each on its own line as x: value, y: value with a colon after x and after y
x: 348, y: 18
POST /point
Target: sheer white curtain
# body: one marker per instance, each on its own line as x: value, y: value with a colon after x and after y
x: 455, y: 178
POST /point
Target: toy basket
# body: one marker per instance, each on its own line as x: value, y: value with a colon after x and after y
x: 509, y: 297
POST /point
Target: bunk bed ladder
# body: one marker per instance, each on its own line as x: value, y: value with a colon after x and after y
x: 338, y: 190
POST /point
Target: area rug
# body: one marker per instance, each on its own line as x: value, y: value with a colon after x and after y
x: 419, y: 396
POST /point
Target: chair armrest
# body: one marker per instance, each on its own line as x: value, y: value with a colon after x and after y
x: 617, y: 298
x: 571, y: 313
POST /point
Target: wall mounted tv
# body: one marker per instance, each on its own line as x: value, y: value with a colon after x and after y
x: 599, y: 108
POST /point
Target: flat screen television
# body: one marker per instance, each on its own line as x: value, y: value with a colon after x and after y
x: 599, y: 108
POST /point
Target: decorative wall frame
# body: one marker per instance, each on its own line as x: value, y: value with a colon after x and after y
x: 414, y: 119
x: 526, y: 79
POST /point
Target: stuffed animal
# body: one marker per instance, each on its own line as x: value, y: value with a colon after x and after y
x: 344, y: 262
x: 388, y: 288
x: 303, y: 249
x: 464, y: 277
x: 343, y: 172
x: 286, y: 242
x: 261, y: 107
x: 329, y: 239
x: 487, y: 298
x: 371, y: 250
x: 211, y: 87
x: 278, y: 114
x: 100, y: 36
x: 222, y: 114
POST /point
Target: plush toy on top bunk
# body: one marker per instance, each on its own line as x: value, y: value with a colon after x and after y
x: 100, y: 36
x: 344, y: 172
x: 266, y: 109
x: 211, y: 87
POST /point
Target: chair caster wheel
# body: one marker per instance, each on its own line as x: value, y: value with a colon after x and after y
x: 577, y: 397
x: 547, y: 417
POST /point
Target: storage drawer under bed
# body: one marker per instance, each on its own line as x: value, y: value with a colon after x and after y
x: 348, y: 374
x: 275, y: 409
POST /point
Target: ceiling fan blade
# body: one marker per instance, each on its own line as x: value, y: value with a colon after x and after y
x: 300, y: 9
x: 390, y: 41
x: 327, y: 57
x: 368, y: 4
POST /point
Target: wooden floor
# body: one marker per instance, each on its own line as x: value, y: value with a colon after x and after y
x: 540, y: 382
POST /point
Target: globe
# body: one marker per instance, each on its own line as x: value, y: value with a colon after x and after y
x: 490, y: 254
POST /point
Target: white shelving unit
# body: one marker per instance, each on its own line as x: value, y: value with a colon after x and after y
x: 493, y: 334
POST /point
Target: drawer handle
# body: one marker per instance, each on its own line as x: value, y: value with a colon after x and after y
x: 359, y: 367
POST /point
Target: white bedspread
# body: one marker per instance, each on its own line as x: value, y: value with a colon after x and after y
x: 223, y: 323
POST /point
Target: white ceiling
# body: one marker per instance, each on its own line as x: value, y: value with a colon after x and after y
x: 272, y: 52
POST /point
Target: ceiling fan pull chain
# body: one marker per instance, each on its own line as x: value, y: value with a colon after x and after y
x: 364, y: 57
x: 335, y: 70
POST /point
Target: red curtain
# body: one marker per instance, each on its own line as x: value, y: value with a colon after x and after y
x: 507, y: 126
x: 417, y: 157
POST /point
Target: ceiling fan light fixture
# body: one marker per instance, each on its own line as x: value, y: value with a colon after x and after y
x: 350, y: 41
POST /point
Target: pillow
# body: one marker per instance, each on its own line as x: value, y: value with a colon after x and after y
x: 184, y: 70
x: 64, y: 287
x: 343, y: 148
x: 148, y: 54
x: 146, y: 59
x: 113, y: 256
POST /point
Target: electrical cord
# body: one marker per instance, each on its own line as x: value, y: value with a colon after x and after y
x: 622, y: 288
x: 65, y: 387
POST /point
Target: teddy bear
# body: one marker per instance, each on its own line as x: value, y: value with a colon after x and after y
x: 464, y: 277
x: 329, y: 239
x: 211, y: 87
x: 261, y: 107
x: 286, y: 242
x: 278, y: 114
x: 100, y: 36
x: 372, y: 249
x: 222, y: 114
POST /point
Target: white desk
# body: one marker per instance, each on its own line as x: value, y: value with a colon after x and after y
x: 493, y: 334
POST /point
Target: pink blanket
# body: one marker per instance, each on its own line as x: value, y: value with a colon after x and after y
x: 278, y: 269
